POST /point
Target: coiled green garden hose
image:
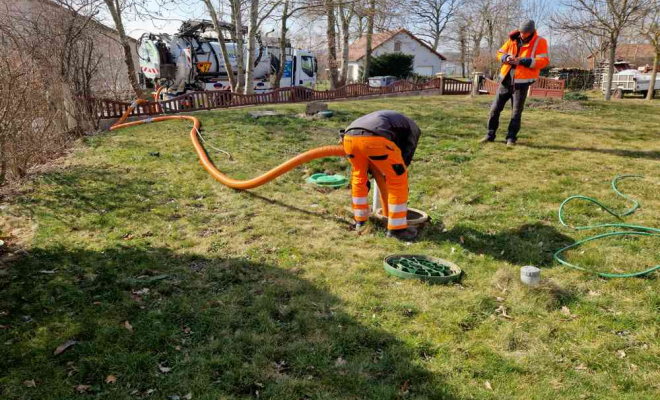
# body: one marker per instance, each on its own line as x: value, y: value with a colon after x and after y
x: 634, y: 229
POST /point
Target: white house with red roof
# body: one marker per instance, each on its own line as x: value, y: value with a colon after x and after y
x: 428, y: 62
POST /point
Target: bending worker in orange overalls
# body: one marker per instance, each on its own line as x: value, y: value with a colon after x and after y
x: 387, y: 140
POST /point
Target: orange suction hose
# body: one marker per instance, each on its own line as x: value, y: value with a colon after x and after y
x: 320, y: 152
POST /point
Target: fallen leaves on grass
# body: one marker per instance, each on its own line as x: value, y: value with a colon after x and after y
x: 128, y: 326
x: 111, y: 379
x: 164, y: 369
x: 62, y: 348
x: 340, y: 362
x: 405, y: 388
x: 187, y: 330
x: 621, y: 354
x: 30, y: 383
x: 501, y: 310
x: 82, y: 388
x: 567, y: 312
x: 488, y: 386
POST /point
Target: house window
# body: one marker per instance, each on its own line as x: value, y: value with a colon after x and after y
x: 397, y: 46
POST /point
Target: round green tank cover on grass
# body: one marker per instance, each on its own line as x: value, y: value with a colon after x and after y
x: 329, y: 181
x: 325, y: 114
x: 425, y: 268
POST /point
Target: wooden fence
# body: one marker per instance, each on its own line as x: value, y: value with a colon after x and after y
x: 215, y: 99
x: 543, y: 87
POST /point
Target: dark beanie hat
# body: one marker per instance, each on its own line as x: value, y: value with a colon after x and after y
x: 528, y: 26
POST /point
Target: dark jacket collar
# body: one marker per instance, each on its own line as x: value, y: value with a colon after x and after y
x: 515, y: 36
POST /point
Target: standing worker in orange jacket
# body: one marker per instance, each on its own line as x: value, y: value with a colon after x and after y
x: 387, y: 140
x: 523, y: 56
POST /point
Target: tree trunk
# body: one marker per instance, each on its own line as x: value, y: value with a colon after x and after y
x: 610, y: 68
x: 654, y: 75
x: 239, y: 39
x: 283, y: 31
x: 345, y: 32
x: 221, y: 39
x: 252, y: 41
x: 332, y: 44
x: 115, y: 12
x: 3, y: 160
x: 463, y: 53
x: 370, y: 34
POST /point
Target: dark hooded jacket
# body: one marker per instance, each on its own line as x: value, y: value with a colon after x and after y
x: 392, y: 126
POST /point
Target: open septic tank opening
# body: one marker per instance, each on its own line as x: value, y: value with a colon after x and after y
x: 416, y: 218
x: 426, y: 268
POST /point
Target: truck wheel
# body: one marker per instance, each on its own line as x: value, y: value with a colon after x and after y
x: 618, y: 94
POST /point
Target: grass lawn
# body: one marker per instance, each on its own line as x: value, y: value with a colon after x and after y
x: 174, y: 285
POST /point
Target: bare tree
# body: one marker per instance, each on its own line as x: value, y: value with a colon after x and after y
x: 346, y: 15
x: 650, y: 28
x: 371, y: 15
x: 289, y: 9
x: 218, y: 26
x: 331, y: 35
x: 431, y: 17
x: 238, y: 37
x: 117, y: 8
x: 43, y: 88
x: 253, y: 28
x: 604, y: 18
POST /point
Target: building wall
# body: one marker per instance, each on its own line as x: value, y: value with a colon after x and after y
x: 111, y: 79
x: 426, y: 62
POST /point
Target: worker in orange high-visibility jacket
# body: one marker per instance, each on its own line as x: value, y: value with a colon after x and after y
x: 523, y: 56
x: 387, y: 140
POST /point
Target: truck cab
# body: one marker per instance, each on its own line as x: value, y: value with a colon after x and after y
x: 301, y: 69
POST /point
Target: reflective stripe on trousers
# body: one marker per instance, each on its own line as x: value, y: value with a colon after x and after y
x: 385, y: 157
x: 398, y: 216
x: 397, y: 223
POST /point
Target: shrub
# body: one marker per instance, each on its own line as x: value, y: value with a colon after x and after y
x: 395, y: 64
x: 575, y: 96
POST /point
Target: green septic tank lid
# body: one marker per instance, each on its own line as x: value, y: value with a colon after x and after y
x: 331, y: 181
x: 425, y: 268
x: 326, y: 114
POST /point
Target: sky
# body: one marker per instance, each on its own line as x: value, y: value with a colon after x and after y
x: 168, y: 20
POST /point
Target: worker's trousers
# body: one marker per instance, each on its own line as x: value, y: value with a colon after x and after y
x: 385, y: 156
x: 517, y: 94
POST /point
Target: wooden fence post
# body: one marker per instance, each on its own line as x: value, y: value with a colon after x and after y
x: 475, y: 83
x: 442, y: 85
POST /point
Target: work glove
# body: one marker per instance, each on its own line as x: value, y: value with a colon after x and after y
x: 342, y: 132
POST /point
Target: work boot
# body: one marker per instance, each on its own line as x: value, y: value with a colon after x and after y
x: 486, y: 139
x: 510, y: 143
x: 406, y: 234
x: 359, y: 226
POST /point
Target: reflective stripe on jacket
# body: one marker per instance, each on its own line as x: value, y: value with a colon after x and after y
x: 536, y: 49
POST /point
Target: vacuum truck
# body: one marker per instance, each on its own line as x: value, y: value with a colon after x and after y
x: 191, y: 60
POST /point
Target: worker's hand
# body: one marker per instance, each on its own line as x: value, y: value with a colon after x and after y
x: 513, y: 60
